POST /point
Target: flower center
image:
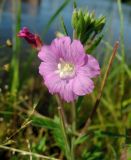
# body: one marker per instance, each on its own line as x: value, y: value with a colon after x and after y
x: 66, y: 69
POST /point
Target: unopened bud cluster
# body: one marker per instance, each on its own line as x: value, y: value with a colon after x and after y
x: 87, y: 27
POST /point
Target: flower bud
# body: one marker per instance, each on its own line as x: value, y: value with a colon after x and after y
x: 87, y: 26
x: 31, y: 38
x: 74, y: 18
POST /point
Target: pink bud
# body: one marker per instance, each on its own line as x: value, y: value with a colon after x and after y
x: 31, y: 38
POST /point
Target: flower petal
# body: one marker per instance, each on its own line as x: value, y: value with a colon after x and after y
x: 91, y: 69
x: 46, y: 54
x: 53, y: 82
x: 82, y: 85
x: 77, y: 52
x: 67, y: 93
x: 46, y: 68
x: 31, y: 38
x: 61, y: 87
x: 61, y: 47
x: 94, y: 65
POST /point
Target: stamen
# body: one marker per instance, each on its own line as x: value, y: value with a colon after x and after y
x: 65, y: 69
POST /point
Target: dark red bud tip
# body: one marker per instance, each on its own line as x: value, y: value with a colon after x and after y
x: 31, y: 38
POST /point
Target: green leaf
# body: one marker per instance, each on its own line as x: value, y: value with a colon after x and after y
x: 53, y: 125
x: 95, y: 44
x: 81, y: 139
x: 54, y: 16
x: 79, y: 102
x: 44, y: 122
x: 57, y: 134
x: 41, y: 146
x: 64, y: 26
x: 110, y: 134
x: 74, y: 4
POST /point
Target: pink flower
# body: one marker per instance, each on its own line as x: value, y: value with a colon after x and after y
x: 31, y: 38
x: 66, y: 69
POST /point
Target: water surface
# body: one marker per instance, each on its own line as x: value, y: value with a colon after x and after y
x: 36, y: 13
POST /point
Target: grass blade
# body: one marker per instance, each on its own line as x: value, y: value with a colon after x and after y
x: 14, y: 74
x: 54, y: 16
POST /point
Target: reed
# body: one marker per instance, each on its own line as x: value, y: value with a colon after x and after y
x: 14, y: 73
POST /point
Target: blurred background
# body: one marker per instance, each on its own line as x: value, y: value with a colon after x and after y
x: 35, y: 14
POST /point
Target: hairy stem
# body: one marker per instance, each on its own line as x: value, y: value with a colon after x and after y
x: 22, y: 152
x: 63, y: 129
x: 60, y: 103
x: 73, y: 107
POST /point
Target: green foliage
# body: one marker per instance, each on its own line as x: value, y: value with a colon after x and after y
x: 54, y: 126
x: 81, y: 139
x: 41, y: 146
x: 91, y: 156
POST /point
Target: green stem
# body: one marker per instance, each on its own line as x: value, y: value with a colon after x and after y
x: 73, y: 108
x: 73, y: 117
x: 74, y: 35
x: 61, y: 104
x: 63, y: 129
x: 122, y: 75
x: 73, y: 130
x: 16, y: 49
